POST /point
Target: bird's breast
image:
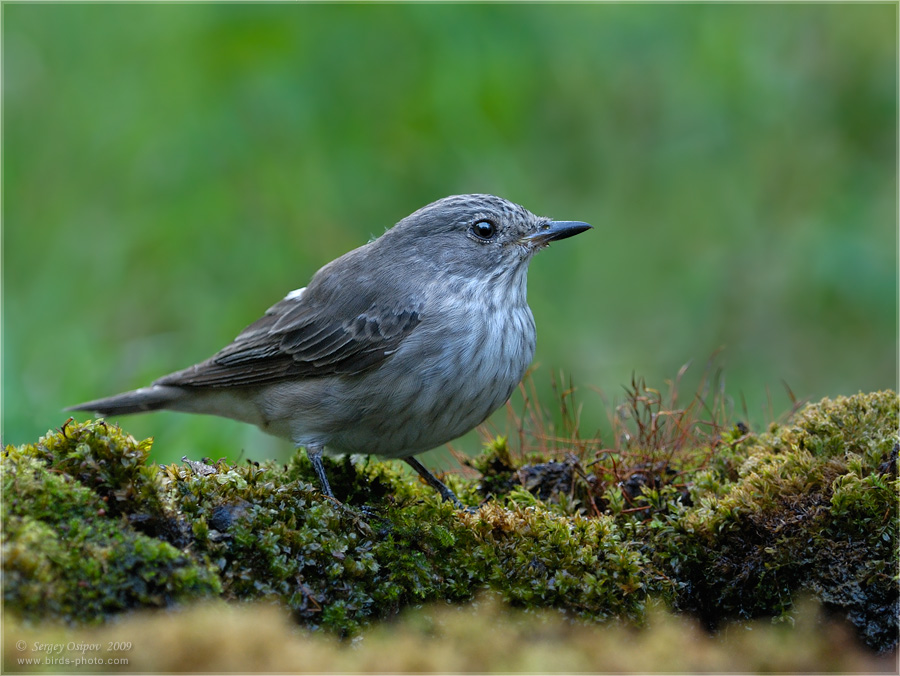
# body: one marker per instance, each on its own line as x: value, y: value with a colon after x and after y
x: 460, y: 364
x: 454, y: 371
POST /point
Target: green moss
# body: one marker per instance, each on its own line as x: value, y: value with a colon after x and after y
x: 535, y: 479
x: 812, y: 508
x: 113, y: 465
x: 269, y: 533
x: 65, y: 557
x: 273, y: 536
x: 737, y: 530
x: 497, y: 469
x: 484, y: 636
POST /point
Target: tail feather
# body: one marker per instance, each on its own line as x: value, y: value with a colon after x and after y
x: 143, y: 400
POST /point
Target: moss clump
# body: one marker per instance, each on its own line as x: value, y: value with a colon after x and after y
x: 268, y: 533
x: 113, y: 465
x: 65, y: 557
x: 273, y: 536
x: 497, y: 469
x: 812, y: 508
x: 734, y: 526
x: 563, y: 486
x: 484, y: 636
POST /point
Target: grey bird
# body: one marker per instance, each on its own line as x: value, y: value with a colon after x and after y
x: 393, y: 349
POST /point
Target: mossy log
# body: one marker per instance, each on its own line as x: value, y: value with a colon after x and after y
x: 91, y: 530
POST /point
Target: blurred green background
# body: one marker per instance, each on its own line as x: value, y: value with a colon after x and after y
x: 171, y: 170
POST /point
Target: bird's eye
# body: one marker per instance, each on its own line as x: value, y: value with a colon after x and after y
x: 483, y: 230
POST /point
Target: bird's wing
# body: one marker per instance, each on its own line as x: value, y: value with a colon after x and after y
x: 303, y: 336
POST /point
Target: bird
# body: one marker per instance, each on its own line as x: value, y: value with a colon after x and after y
x: 393, y: 349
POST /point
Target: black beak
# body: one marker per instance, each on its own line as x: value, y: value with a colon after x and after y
x: 554, y: 230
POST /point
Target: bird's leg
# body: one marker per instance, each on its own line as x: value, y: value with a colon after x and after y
x: 314, y: 453
x: 434, y: 482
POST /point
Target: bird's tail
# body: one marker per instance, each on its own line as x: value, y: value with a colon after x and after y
x: 143, y: 400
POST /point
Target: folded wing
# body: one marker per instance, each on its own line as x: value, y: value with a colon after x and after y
x: 305, y: 336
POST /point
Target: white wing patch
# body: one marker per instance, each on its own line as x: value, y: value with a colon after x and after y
x: 296, y: 293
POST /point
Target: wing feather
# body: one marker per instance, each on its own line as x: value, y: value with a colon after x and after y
x: 306, y: 336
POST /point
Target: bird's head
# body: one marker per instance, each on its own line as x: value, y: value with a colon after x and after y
x: 484, y: 231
